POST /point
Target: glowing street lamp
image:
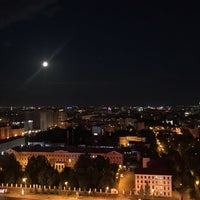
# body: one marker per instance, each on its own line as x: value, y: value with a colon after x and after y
x: 197, y: 182
x: 24, y: 181
x: 66, y: 183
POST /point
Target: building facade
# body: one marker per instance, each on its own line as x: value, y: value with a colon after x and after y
x: 63, y: 157
x: 7, y: 132
x: 154, y: 179
x: 126, y: 140
x: 159, y: 185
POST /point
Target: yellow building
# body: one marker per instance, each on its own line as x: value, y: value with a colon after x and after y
x: 61, y: 157
x: 7, y: 132
x: 125, y: 141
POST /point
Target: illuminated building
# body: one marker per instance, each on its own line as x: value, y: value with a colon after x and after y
x: 64, y: 157
x: 7, y: 132
x: 46, y: 119
x: 156, y: 177
x: 159, y: 184
x: 125, y: 141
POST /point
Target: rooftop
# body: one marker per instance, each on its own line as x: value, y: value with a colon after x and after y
x: 76, y: 149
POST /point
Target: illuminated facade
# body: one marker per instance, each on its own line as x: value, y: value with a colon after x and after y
x: 7, y: 132
x: 159, y: 185
x: 46, y: 119
x: 63, y: 157
x: 155, y: 176
x: 125, y: 141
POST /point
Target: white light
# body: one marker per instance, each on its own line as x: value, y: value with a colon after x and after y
x: 45, y: 64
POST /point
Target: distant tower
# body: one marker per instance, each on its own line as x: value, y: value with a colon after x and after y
x: 46, y: 119
x: 31, y: 120
x: 61, y: 118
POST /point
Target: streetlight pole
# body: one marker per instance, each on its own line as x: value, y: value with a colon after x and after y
x: 23, y: 181
x: 66, y: 183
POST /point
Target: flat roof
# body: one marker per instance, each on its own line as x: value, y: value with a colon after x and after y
x: 75, y: 149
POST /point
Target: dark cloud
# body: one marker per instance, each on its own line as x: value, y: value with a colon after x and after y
x: 12, y: 11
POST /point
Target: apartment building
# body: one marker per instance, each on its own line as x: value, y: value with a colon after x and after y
x: 153, y: 180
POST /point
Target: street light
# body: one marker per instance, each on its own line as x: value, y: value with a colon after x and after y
x: 66, y: 183
x: 197, y: 184
x: 24, y: 181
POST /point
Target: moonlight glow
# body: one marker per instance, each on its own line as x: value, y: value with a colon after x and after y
x: 45, y: 64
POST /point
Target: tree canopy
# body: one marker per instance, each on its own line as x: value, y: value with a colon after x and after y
x: 94, y: 172
x: 39, y: 171
x: 10, y: 169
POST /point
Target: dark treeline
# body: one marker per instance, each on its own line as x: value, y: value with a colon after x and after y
x: 87, y: 173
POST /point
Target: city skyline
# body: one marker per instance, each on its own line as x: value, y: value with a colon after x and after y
x: 130, y: 53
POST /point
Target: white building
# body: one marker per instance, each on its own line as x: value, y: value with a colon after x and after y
x: 156, y: 178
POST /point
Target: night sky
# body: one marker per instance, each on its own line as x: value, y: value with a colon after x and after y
x: 112, y: 52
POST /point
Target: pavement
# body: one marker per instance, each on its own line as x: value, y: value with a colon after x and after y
x: 58, y: 197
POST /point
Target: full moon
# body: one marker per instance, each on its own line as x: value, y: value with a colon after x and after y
x: 45, y: 64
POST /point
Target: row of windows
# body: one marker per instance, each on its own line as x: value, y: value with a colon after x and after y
x: 24, y: 157
x: 61, y: 158
x: 115, y: 157
x: 152, y: 177
x: 60, y: 166
x: 156, y: 182
x: 160, y: 187
x: 58, y: 160
x: 49, y: 155
x: 165, y: 194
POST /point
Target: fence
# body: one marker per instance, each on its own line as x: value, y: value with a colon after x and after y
x: 35, y: 188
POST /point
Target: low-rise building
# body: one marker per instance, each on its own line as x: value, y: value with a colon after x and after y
x: 155, y: 180
x: 126, y: 140
x: 61, y: 157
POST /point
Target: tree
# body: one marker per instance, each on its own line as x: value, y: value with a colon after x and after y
x: 11, y: 170
x: 65, y: 175
x: 39, y: 171
x: 141, y: 192
x: 147, y: 189
x: 94, y: 172
x: 72, y: 181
